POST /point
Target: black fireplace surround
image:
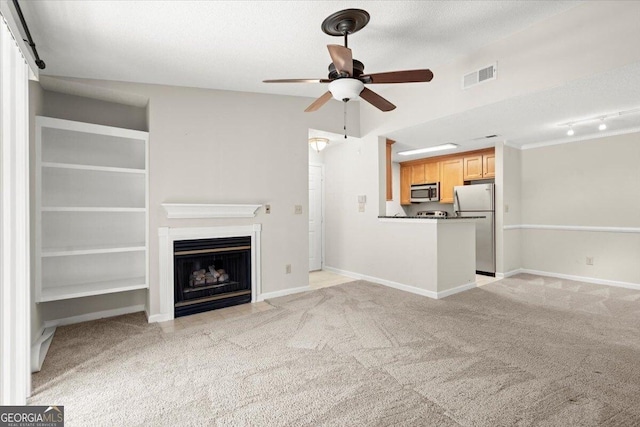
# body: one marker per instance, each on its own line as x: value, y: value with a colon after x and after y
x: 211, y: 274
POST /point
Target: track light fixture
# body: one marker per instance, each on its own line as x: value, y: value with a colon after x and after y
x: 603, y: 125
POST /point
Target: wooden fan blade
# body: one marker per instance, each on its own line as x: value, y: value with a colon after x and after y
x: 315, y: 105
x: 376, y: 100
x: 407, y: 76
x: 297, y: 81
x: 342, y: 58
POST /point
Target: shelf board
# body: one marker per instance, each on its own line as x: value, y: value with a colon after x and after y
x: 91, y: 209
x: 89, y: 250
x: 60, y: 292
x: 91, y: 168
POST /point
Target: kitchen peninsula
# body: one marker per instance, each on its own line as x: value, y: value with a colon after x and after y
x: 434, y: 257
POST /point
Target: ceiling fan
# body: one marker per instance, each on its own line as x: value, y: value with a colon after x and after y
x: 346, y: 75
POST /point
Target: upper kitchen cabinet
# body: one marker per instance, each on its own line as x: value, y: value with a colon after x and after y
x: 451, y: 175
x: 449, y: 171
x: 432, y: 172
x: 417, y: 174
x: 472, y: 167
x: 480, y: 166
x: 425, y: 173
x: 489, y: 165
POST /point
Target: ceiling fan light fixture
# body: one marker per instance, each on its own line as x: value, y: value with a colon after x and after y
x: 428, y: 149
x: 318, y: 144
x: 346, y: 88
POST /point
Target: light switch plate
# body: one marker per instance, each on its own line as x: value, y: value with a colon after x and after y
x: 362, y: 198
x: 267, y: 209
x: 298, y: 209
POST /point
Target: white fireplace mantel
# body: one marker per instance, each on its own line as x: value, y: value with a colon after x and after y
x: 168, y: 235
x: 209, y: 210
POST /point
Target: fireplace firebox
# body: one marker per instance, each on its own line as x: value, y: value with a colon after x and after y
x: 211, y: 274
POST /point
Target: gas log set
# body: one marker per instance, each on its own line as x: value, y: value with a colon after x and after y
x: 203, y: 277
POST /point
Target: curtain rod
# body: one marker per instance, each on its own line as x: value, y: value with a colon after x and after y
x: 39, y: 62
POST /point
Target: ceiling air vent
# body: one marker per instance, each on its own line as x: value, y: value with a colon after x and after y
x: 479, y: 76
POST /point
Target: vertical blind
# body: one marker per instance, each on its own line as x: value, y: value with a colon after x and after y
x: 14, y: 222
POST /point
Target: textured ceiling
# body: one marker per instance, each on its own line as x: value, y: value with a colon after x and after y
x: 535, y: 118
x: 234, y: 45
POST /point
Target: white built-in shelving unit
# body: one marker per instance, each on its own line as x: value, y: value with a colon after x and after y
x: 91, y: 209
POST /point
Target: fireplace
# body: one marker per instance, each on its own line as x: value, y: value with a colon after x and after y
x: 166, y: 289
x: 211, y: 273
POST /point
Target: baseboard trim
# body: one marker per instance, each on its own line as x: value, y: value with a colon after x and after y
x: 94, y: 316
x: 282, y: 293
x: 456, y: 290
x: 593, y: 280
x: 40, y: 348
x: 402, y: 286
x: 509, y: 273
x: 155, y: 318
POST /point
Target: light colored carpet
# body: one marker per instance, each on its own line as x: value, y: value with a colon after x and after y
x: 520, y: 351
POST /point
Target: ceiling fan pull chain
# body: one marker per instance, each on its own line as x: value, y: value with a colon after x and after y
x: 345, y: 119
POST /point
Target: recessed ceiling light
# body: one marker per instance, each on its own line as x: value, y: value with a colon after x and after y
x: 428, y: 149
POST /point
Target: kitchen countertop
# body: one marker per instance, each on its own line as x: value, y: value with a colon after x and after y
x: 432, y: 217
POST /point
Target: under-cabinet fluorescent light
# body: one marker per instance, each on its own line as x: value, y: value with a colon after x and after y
x: 428, y: 149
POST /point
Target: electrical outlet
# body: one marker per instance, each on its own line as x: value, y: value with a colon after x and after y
x: 589, y: 260
x: 287, y: 269
x: 360, y: 207
x: 506, y: 208
x: 298, y: 209
x: 267, y: 209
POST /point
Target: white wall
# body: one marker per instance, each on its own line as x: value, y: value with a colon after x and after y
x: 508, y: 209
x: 592, y: 183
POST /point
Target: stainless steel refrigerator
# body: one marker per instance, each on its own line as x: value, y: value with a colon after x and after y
x: 478, y: 200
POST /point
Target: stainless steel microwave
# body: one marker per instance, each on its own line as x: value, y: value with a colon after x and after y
x: 425, y: 193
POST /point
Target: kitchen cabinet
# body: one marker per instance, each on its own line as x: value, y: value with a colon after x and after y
x: 472, y: 167
x: 480, y: 166
x: 449, y: 171
x: 405, y: 185
x: 489, y: 165
x: 425, y: 173
x: 432, y: 172
x: 417, y: 174
x: 451, y: 174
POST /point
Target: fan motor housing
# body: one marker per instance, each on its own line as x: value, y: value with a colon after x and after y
x: 358, y: 70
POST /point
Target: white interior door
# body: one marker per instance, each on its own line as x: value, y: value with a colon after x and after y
x: 315, y: 217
